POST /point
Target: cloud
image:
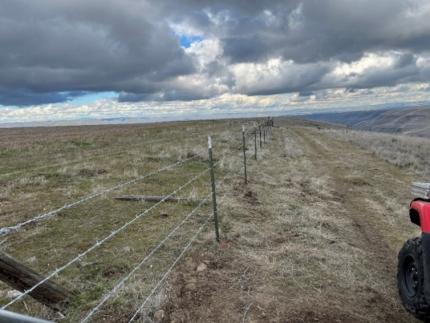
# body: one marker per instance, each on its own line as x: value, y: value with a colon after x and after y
x: 222, y: 106
x: 167, y: 50
x: 57, y: 46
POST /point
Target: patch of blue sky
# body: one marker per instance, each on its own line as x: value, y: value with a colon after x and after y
x: 187, y: 40
x: 92, y: 97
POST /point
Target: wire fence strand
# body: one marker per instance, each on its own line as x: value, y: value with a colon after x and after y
x: 161, y: 281
x: 147, y: 257
x: 172, y: 266
x: 155, y: 249
x: 18, y: 226
x: 100, y: 242
x: 157, y: 246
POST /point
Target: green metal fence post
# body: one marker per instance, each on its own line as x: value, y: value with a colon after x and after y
x: 214, y: 205
x: 244, y: 153
x: 261, y: 145
x: 264, y: 134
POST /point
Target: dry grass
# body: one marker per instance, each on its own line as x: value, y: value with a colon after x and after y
x: 44, y: 168
x: 406, y: 152
x: 313, y: 237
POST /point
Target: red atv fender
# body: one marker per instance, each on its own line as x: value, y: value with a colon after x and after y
x: 419, y: 213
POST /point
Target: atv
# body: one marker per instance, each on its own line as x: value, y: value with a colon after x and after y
x: 413, y: 271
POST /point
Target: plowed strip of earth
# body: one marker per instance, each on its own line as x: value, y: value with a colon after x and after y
x: 313, y: 237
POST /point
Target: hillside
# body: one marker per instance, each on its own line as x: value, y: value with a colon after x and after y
x: 313, y: 237
x: 410, y: 121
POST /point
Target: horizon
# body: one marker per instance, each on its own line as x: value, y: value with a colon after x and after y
x: 232, y: 116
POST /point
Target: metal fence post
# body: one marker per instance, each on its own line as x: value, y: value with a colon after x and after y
x: 244, y: 153
x: 261, y: 145
x: 214, y: 205
x: 255, y: 144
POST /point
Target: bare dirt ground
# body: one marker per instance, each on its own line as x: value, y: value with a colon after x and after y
x: 312, y: 238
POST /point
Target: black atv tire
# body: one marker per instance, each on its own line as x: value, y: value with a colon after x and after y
x: 410, y: 279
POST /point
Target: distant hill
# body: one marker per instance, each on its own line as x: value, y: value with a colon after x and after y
x: 410, y: 121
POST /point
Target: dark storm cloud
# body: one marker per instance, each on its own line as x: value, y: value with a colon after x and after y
x: 25, y: 97
x: 49, y: 47
x: 162, y: 95
x: 315, y: 30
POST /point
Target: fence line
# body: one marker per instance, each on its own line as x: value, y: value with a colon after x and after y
x: 7, y: 230
x: 87, y: 158
x: 125, y: 278
x: 120, y: 283
x: 155, y: 249
x: 98, y: 243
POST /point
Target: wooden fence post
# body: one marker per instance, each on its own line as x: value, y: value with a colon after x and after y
x: 22, y: 278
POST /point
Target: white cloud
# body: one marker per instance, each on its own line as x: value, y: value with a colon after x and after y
x: 205, y: 52
x: 224, y: 105
x: 367, y: 62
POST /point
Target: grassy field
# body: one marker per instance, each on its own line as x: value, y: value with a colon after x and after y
x: 45, y: 168
x: 312, y: 237
x: 406, y: 152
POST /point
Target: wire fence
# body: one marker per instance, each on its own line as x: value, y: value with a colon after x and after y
x: 9, y: 229
x: 141, y: 308
x: 250, y: 132
x: 102, y: 241
x: 169, y: 270
x: 153, y: 251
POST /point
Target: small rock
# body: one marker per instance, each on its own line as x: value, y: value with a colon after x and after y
x: 159, y: 316
x: 202, y: 267
x: 126, y: 249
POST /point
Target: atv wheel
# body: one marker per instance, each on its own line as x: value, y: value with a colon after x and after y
x: 410, y: 279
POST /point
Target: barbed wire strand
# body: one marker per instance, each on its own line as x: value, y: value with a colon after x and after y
x: 100, y: 242
x: 16, y: 227
x: 155, y: 249
x: 161, y: 281
x: 169, y: 270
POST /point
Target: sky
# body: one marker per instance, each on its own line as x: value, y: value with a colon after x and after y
x: 168, y: 59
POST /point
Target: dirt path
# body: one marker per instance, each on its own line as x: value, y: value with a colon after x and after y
x: 313, y: 238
